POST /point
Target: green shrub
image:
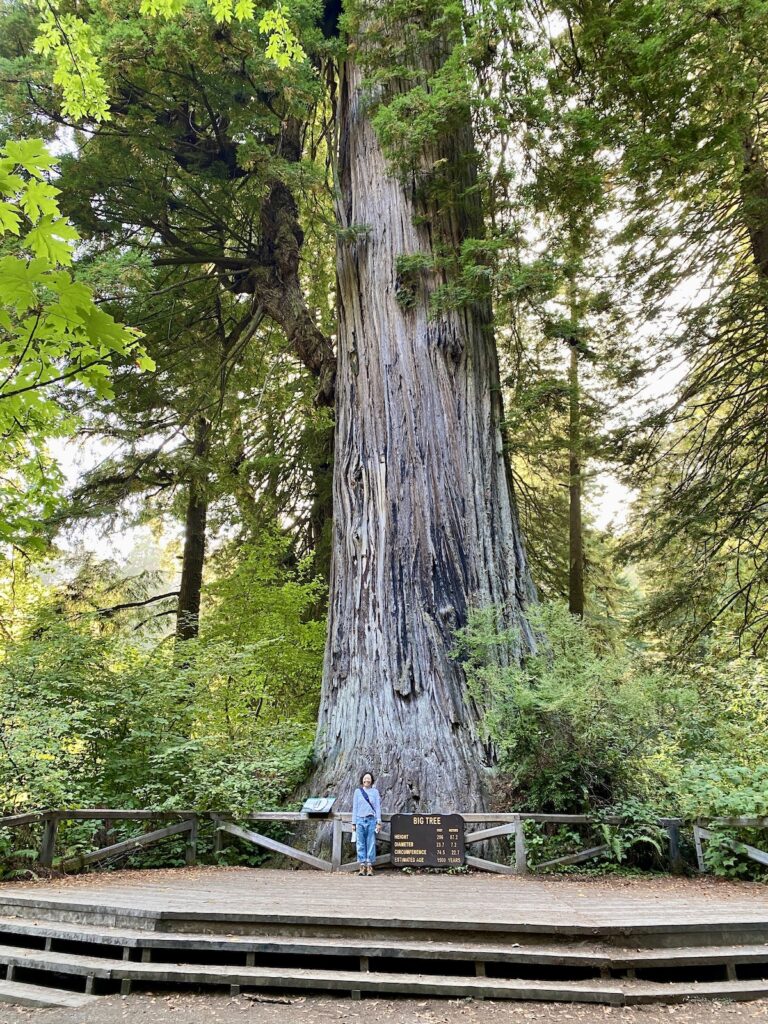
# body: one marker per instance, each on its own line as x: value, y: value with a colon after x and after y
x: 579, y: 725
x: 94, y: 714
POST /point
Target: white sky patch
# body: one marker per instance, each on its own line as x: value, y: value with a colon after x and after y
x: 138, y: 548
x: 609, y: 502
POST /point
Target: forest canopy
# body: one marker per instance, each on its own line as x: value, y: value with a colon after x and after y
x: 385, y: 383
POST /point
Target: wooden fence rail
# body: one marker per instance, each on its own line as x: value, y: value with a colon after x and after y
x: 481, y: 827
x: 701, y: 833
x: 127, y: 846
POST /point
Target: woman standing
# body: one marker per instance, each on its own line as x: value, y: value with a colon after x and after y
x: 366, y: 816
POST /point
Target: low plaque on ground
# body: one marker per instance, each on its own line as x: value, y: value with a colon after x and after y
x: 427, y: 840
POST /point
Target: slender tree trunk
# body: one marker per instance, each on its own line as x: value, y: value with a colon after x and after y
x: 193, y: 558
x: 242, y: 488
x: 754, y: 200
x: 425, y: 526
x: 576, y: 535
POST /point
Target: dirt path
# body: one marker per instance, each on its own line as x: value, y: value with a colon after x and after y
x: 209, y: 1009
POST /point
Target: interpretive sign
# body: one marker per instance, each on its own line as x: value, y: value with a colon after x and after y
x: 427, y: 840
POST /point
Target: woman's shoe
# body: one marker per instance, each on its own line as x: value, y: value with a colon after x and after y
x: 361, y: 870
x: 369, y: 869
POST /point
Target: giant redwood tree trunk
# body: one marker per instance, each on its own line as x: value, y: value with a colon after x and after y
x: 425, y: 526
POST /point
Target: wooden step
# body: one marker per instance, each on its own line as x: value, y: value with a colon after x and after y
x: 573, y: 955
x: 40, y: 995
x: 652, y: 928
x: 604, y: 991
x: 39, y: 910
x: 678, y: 992
x: 181, y: 942
x: 379, y: 982
x: 318, y: 980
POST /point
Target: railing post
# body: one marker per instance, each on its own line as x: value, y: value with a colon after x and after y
x: 218, y: 835
x: 336, y: 845
x: 48, y: 846
x: 673, y: 835
x: 699, y: 851
x: 521, y: 855
x: 190, y: 853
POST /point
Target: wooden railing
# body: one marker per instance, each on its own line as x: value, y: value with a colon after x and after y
x: 702, y: 830
x: 480, y: 827
x: 497, y: 825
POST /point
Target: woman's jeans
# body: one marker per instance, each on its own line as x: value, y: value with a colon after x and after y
x: 366, y: 840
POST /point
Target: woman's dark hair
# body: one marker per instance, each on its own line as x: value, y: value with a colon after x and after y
x: 366, y: 772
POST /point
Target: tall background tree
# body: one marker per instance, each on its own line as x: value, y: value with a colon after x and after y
x: 682, y: 93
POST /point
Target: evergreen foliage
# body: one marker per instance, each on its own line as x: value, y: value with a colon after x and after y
x: 97, y: 713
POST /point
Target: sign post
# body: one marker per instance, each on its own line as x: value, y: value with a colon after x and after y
x: 427, y: 840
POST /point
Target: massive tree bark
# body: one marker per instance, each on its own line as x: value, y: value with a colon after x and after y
x: 425, y: 525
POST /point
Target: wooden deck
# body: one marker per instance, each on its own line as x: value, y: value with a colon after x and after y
x: 640, y: 940
x: 474, y: 902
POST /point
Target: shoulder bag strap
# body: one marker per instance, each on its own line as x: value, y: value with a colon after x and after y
x: 367, y: 800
